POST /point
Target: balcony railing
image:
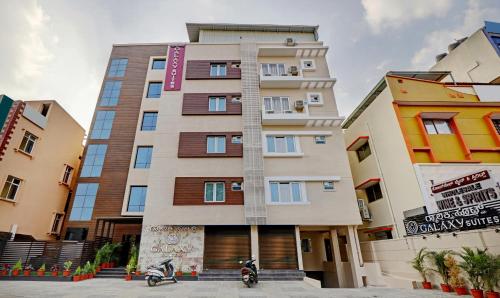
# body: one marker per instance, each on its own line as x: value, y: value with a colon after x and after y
x: 299, y: 118
x: 294, y: 79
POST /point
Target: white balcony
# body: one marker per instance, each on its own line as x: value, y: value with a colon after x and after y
x: 296, y: 82
x: 302, y: 51
x: 299, y: 118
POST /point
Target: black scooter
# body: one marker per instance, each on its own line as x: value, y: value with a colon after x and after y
x: 249, y: 274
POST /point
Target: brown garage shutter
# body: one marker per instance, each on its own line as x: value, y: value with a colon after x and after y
x: 277, y: 247
x: 225, y: 246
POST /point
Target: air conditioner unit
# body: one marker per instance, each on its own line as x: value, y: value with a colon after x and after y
x: 290, y: 42
x: 235, y: 65
x: 294, y: 70
x: 363, y: 210
x: 299, y: 105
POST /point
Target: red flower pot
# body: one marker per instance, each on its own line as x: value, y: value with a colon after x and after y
x: 461, y: 291
x: 76, y: 278
x: 476, y: 293
x: 55, y: 273
x: 66, y: 273
x: 137, y: 273
x: 193, y: 273
x: 40, y: 273
x: 112, y: 265
x: 128, y: 277
x: 98, y: 269
x: 491, y: 294
x: 427, y: 285
x: 27, y: 272
x: 3, y: 272
x: 446, y: 288
x: 15, y: 272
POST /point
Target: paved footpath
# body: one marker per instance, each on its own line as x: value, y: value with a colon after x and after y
x: 108, y: 288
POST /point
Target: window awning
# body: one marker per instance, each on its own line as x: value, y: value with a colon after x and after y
x: 368, y: 183
x: 360, y: 141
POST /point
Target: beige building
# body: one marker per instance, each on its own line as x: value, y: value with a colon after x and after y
x: 231, y: 146
x: 40, y: 147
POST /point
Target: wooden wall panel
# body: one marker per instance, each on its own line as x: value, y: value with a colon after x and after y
x: 225, y: 246
x: 197, y: 104
x: 191, y: 191
x: 200, y: 70
x: 194, y: 144
x: 112, y: 181
x: 277, y: 247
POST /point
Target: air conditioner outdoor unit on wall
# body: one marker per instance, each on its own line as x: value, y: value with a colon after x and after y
x: 363, y: 210
x: 299, y: 105
x: 294, y: 70
x: 290, y: 42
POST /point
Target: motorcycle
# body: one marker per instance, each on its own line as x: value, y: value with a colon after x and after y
x: 161, y: 272
x: 249, y: 274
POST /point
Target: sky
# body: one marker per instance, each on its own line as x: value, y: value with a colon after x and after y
x: 59, y: 49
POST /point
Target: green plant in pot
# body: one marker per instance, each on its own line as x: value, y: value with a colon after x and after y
x: 439, y: 259
x: 456, y: 280
x: 41, y: 270
x: 418, y: 263
x: 491, y: 276
x: 98, y: 260
x: 475, y: 264
x: 18, y: 266
x: 77, y: 274
x: 67, y: 267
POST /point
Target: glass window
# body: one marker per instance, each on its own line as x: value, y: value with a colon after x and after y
x: 11, y: 187
x: 437, y: 126
x: 216, y: 104
x: 28, y: 142
x: 496, y: 123
x: 320, y: 139
x: 118, y: 67
x: 218, y: 69
x: 154, y: 90
x: 281, y: 144
x: 149, y: 121
x: 328, y: 185
x: 214, y: 192
x: 363, y: 152
x: 143, y: 157
x: 306, y: 245
x: 277, y: 105
x: 102, y: 125
x: 56, y: 224
x: 68, y: 172
x: 158, y: 64
x: 83, y: 204
x: 110, y: 94
x: 273, y: 69
x: 286, y: 192
x: 137, y: 198
x: 373, y: 192
x: 216, y: 144
x: 94, y: 160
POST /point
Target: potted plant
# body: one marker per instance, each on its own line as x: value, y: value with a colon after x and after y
x: 475, y: 264
x: 98, y: 260
x: 456, y: 281
x: 4, y: 269
x: 179, y: 270
x: 54, y: 270
x: 193, y: 269
x: 77, y: 273
x: 418, y: 264
x: 41, y: 270
x: 17, y: 267
x: 491, y: 276
x: 86, y: 271
x: 129, y: 268
x: 113, y: 257
x: 27, y: 270
x: 439, y: 259
x: 67, y: 267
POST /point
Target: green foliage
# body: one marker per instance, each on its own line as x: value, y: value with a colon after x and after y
x: 491, y: 275
x: 439, y: 259
x: 129, y: 268
x: 67, y: 265
x: 18, y: 265
x: 454, y: 272
x: 98, y: 258
x: 78, y: 271
x: 418, y: 263
x: 87, y: 268
x: 108, y: 251
x: 42, y: 268
x: 475, y: 263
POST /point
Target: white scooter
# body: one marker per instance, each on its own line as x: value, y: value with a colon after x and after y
x: 161, y: 272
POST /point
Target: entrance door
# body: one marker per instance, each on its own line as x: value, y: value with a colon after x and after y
x: 124, y: 250
x: 277, y: 247
x: 225, y: 246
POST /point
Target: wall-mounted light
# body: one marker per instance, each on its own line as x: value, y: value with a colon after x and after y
x: 454, y: 234
x: 423, y: 237
x: 437, y: 236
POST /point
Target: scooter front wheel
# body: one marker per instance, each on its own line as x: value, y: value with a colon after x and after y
x: 175, y: 279
x: 151, y: 282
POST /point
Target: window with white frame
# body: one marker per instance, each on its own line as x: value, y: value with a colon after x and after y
x: 286, y: 192
x: 437, y: 126
x: 315, y: 98
x: 320, y: 139
x: 28, y: 142
x: 214, y: 192
x: 328, y: 186
x: 56, y: 223
x: 308, y: 64
x: 218, y: 69
x: 216, y: 144
x: 10, y: 188
x: 281, y: 144
x: 217, y: 104
x: 68, y: 173
x: 277, y: 104
x: 273, y: 69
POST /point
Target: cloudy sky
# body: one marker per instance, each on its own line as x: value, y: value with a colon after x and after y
x: 59, y: 49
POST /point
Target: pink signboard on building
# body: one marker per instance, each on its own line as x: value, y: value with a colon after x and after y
x: 175, y: 64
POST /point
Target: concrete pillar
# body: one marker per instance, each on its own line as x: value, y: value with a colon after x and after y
x: 337, y: 259
x: 254, y: 239
x: 355, y: 258
x: 299, y: 248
